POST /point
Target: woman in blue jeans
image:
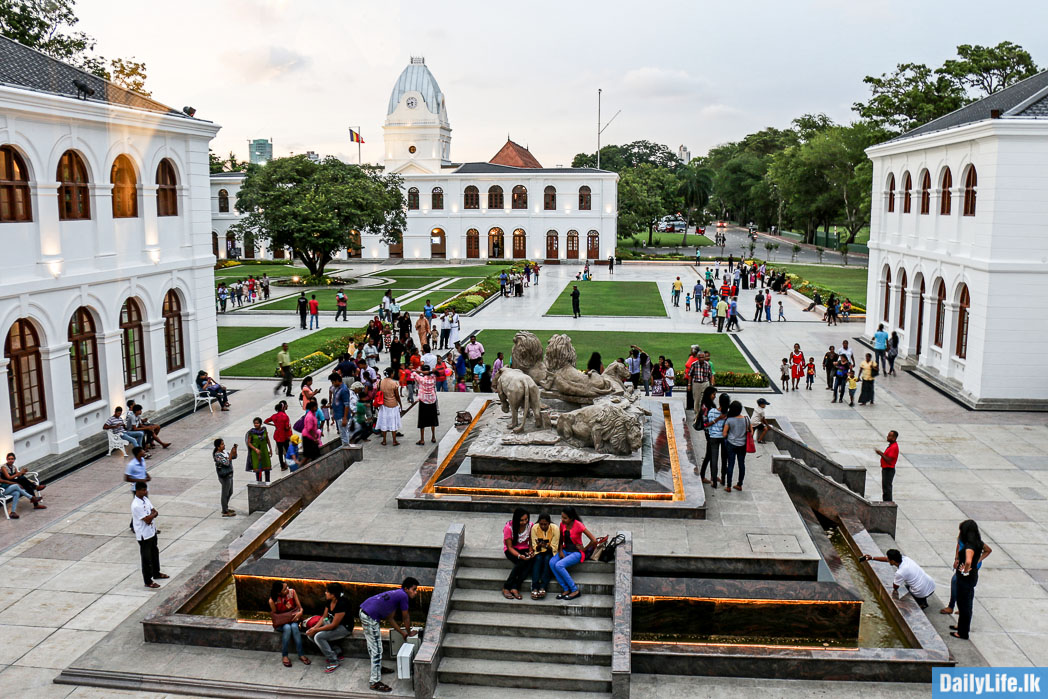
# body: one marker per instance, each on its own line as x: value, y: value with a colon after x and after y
x: 545, y: 541
x: 736, y: 427
x: 986, y: 551
x: 571, y: 552
x: 283, y: 601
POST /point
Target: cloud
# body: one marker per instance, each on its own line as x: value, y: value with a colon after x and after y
x: 720, y: 111
x: 267, y: 63
x: 660, y: 83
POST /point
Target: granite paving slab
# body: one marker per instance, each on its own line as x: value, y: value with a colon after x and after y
x: 70, y: 547
x: 933, y: 460
x: 992, y: 511
x: 1029, y: 463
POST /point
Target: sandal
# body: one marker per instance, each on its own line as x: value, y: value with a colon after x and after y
x: 420, y: 442
x: 516, y: 595
x: 305, y: 660
x: 946, y: 610
x: 534, y: 594
x: 508, y: 595
x: 287, y: 662
x: 542, y: 594
x: 957, y: 635
x: 380, y: 687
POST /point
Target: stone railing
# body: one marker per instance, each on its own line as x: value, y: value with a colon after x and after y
x: 307, y: 482
x: 622, y: 620
x: 852, y: 477
x: 429, y: 654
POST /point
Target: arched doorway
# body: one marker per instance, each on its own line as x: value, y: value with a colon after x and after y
x: 520, y: 244
x: 496, y: 244
x: 231, y: 246
x: 472, y: 244
x: 25, y: 375
x: 964, y: 302
x: 552, y: 245
x: 438, y: 244
x: 573, y: 245
x: 249, y: 246
x: 396, y: 250
x: 593, y: 245
x: 278, y: 253
x: 920, y: 318
x: 214, y: 244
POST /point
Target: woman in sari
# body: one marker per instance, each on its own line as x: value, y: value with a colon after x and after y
x: 258, y: 450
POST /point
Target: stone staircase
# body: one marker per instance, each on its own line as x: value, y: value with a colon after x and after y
x: 531, y: 647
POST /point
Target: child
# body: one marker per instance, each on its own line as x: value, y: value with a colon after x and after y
x: 705, y: 313
x: 687, y: 302
x: 293, y: 459
x: 782, y: 312
x: 322, y: 415
x: 716, y: 273
x: 461, y: 387
x: 852, y: 385
x: 811, y: 373
x: 784, y: 370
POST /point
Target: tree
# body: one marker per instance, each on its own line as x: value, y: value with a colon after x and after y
x: 129, y: 74
x: 645, y: 193
x: 989, y: 69
x: 911, y: 96
x: 317, y: 208
x: 214, y: 162
x: 618, y: 158
x: 696, y: 186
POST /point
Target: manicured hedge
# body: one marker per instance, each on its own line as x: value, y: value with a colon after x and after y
x: 307, y: 365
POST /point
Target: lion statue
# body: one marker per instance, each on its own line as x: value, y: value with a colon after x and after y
x: 527, y: 356
x: 618, y: 373
x: 518, y: 390
x: 607, y: 428
x: 567, y: 379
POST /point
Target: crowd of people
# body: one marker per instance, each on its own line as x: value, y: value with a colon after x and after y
x: 238, y: 292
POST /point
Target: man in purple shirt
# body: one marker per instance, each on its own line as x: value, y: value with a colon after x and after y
x: 474, y: 351
x: 383, y: 607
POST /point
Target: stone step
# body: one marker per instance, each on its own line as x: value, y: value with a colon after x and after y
x: 486, y: 559
x: 464, y: 691
x: 547, y: 650
x: 506, y: 623
x: 493, y: 578
x: 524, y: 675
x: 493, y: 601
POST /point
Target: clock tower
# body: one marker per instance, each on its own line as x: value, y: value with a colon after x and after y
x: 416, y: 132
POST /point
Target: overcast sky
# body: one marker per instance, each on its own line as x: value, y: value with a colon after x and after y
x: 694, y: 73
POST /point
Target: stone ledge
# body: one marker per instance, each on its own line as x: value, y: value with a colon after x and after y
x: 954, y: 391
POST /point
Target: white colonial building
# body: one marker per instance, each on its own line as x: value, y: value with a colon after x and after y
x: 959, y: 247
x: 508, y: 207
x: 225, y: 186
x: 107, y: 285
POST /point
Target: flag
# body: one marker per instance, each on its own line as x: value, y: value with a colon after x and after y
x: 355, y: 137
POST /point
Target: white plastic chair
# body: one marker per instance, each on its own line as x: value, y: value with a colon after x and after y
x: 204, y: 397
x: 4, y: 499
x: 115, y: 442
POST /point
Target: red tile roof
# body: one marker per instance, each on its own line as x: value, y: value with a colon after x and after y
x: 515, y: 155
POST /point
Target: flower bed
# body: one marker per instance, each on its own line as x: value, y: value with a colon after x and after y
x: 729, y: 379
x: 308, y: 364
x: 310, y: 280
x: 477, y: 294
x: 223, y: 264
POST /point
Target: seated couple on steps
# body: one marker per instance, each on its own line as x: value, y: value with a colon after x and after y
x: 541, y: 549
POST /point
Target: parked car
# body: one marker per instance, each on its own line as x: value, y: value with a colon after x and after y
x: 671, y: 226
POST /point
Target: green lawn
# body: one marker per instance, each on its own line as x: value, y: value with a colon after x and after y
x: 612, y: 299
x: 460, y: 284
x: 437, y: 297
x: 449, y: 271
x: 846, y: 281
x: 669, y: 240
x: 358, y: 299
x: 265, y: 363
x: 612, y: 345
x: 245, y: 271
x: 408, y: 283
x: 230, y: 337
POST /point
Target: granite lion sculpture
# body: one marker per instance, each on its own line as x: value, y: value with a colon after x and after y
x: 607, y: 428
x: 517, y: 390
x: 567, y: 379
x: 527, y: 356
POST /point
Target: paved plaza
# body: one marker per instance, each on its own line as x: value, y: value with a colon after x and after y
x: 71, y: 592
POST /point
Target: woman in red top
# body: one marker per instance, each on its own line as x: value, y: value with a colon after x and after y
x: 281, y: 431
x: 571, y: 552
x: 796, y: 366
x: 283, y: 600
x: 516, y: 545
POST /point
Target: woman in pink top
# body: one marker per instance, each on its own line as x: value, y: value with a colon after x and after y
x: 310, y: 432
x: 516, y: 542
x: 307, y: 391
x: 571, y: 552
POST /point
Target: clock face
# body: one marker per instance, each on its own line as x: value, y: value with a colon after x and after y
x: 411, y: 149
x: 412, y: 102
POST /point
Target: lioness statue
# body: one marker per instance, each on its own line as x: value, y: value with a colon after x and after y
x: 518, y: 390
x: 607, y: 428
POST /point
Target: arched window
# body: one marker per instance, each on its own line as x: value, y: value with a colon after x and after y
x: 214, y: 243
x: 940, y: 314
x: 495, y: 200
x: 223, y: 201
x: 471, y: 198
x: 437, y: 199
x: 74, y: 200
x: 963, y: 304
x: 520, y: 197
x: 552, y: 245
x: 15, y: 204
x: 584, y: 198
x: 593, y: 245
x: 473, y: 243
x: 132, y: 344
x: 167, y: 189
x: 920, y: 317
x: 549, y: 198
x: 971, y: 181
x: 907, y: 187
x: 926, y: 193
x: 946, y: 193
x: 25, y: 375
x: 891, y: 193
x: 902, y: 300
x: 125, y: 189
x: 413, y: 199
x: 83, y: 358
x: 496, y: 243
x: 176, y: 357
x: 572, y: 249
x: 520, y: 244
x: 887, y: 294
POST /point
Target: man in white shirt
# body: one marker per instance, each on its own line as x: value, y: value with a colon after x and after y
x: 908, y: 574
x: 428, y: 357
x: 142, y: 516
x: 846, y: 352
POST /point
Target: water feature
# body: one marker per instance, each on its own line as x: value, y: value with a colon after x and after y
x: 876, y: 626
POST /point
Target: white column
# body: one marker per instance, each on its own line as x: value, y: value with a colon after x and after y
x: 7, y: 442
x: 156, y: 360
x: 110, y: 353
x: 102, y: 219
x: 58, y: 387
x: 46, y: 215
x: 908, y: 345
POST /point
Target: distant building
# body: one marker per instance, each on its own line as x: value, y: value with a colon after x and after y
x: 959, y: 244
x: 684, y: 154
x: 260, y: 150
x: 313, y: 155
x: 225, y: 186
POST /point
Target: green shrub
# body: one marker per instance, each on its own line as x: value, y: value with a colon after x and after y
x: 308, y: 364
x: 338, y: 345
x: 733, y: 379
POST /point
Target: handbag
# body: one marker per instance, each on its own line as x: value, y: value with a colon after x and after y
x: 300, y: 424
x: 751, y: 447
x: 307, y: 624
x: 282, y: 618
x: 595, y: 549
x: 608, y: 554
x: 875, y: 371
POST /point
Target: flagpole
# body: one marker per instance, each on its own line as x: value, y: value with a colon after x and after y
x: 358, y: 145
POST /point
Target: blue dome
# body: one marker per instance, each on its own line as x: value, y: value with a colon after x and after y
x: 417, y: 78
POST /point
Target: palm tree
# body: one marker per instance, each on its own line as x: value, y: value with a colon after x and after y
x: 696, y: 187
